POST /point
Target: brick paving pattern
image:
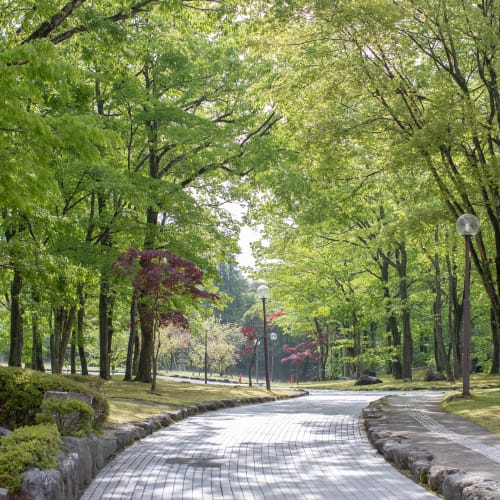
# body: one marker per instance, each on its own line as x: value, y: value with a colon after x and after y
x: 417, y: 409
x: 309, y: 448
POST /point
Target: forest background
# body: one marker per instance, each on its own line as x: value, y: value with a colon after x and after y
x: 354, y: 133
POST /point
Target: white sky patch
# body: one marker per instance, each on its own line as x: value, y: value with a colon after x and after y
x: 247, y: 234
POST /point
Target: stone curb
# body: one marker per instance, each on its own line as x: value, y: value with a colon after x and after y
x: 451, y: 483
x: 83, y: 457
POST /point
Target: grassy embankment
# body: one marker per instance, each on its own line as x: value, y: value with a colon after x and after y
x: 129, y: 401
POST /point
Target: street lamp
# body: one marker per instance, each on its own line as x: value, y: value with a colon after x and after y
x: 263, y: 292
x: 467, y: 226
x: 273, y: 336
x: 256, y: 354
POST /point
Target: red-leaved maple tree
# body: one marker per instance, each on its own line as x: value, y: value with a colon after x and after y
x: 309, y: 349
x: 161, y: 280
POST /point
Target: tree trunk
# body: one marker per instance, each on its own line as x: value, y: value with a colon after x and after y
x: 36, y: 345
x: 146, y: 316
x: 63, y: 326
x: 323, y: 347
x: 16, y: 321
x: 402, y: 260
x: 442, y: 360
x: 104, y: 334
x: 80, y: 338
x: 250, y: 365
x: 131, y: 339
x: 146, y: 321
x: 154, y: 357
x: 137, y: 352
x: 73, y: 352
x: 496, y: 342
x: 454, y: 319
x: 36, y: 348
x: 393, y: 334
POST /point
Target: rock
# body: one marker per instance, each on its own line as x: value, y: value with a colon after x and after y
x: 64, y: 396
x: 367, y: 380
x: 437, y: 475
x: 488, y: 490
x: 432, y: 376
x: 4, y: 431
x: 454, y: 484
x: 42, y: 485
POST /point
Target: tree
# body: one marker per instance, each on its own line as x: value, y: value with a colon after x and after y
x: 78, y: 126
x: 162, y: 281
x: 417, y: 124
x: 221, y: 348
x: 169, y: 341
x: 237, y: 288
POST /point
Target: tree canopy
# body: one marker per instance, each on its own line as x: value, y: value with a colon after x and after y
x: 354, y: 132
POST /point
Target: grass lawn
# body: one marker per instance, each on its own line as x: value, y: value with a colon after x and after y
x: 131, y: 401
x: 482, y: 407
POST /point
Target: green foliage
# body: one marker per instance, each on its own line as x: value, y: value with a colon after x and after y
x: 22, y: 394
x: 72, y: 417
x: 222, y: 344
x: 26, y: 447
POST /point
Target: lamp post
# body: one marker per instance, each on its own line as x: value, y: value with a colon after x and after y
x: 263, y: 293
x: 273, y: 336
x: 467, y: 226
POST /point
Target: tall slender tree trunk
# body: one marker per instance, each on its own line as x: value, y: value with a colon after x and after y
x: 131, y: 339
x: 145, y: 357
x: 323, y: 347
x: 80, y: 338
x: 63, y: 326
x: 145, y: 314
x: 407, y: 350
x: 391, y: 322
x: 454, y: 318
x: 16, y: 320
x: 73, y: 352
x: 441, y: 358
x: 104, y: 333
x: 36, y: 349
x: 137, y: 352
x: 36, y: 344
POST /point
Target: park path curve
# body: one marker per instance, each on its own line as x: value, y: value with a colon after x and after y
x: 310, y: 448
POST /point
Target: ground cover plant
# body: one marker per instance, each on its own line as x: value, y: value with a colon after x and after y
x: 25, y: 447
x: 22, y: 394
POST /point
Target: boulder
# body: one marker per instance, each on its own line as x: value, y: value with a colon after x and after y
x: 367, y: 380
x: 432, y: 376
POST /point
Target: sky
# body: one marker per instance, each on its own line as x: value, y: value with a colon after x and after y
x: 247, y: 235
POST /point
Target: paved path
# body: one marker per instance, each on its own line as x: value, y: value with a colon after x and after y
x: 307, y: 448
x: 453, y: 441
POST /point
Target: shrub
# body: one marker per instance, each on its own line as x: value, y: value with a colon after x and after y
x: 26, y: 447
x: 72, y: 417
x: 22, y: 393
